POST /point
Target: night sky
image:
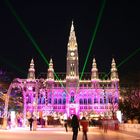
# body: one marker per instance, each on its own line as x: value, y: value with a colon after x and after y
x: 49, y: 23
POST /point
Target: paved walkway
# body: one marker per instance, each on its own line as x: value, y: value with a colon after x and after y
x: 58, y: 133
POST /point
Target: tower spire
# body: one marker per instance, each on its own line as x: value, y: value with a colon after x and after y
x: 72, y: 27
x: 94, y: 71
x: 31, y: 71
x: 72, y: 56
x: 50, y: 75
x: 72, y: 38
x: 114, y: 73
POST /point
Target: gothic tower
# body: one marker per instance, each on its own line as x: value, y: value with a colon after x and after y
x: 50, y: 75
x: 31, y: 71
x: 72, y: 71
x: 72, y: 74
x: 94, y: 74
x: 114, y: 73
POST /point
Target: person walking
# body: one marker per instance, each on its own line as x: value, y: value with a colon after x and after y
x: 75, y: 127
x: 9, y: 121
x: 66, y: 125
x: 84, y: 123
x: 105, y: 124
x: 31, y: 123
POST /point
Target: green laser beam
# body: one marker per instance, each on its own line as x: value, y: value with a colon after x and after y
x: 30, y: 37
x: 93, y: 37
x: 12, y: 65
x: 129, y: 57
x: 126, y: 59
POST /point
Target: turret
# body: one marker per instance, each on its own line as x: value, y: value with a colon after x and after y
x: 94, y: 75
x: 31, y: 71
x: 114, y: 73
x: 50, y: 75
x: 94, y: 71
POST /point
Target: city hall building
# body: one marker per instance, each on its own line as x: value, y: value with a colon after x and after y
x: 70, y: 94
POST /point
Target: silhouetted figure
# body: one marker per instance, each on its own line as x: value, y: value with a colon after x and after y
x: 9, y: 121
x: 84, y: 124
x: 75, y: 126
x: 31, y: 123
x: 66, y: 125
x: 105, y: 124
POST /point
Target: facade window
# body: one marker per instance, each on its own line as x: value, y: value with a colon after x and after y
x: 85, y: 101
x: 106, y: 107
x: 72, y: 99
x: 49, y: 101
x: 55, y: 107
x: 28, y: 99
x: 101, y: 101
x: 89, y: 101
x: 42, y: 100
x: 101, y: 107
x: 81, y: 101
x: 105, y: 101
x: 116, y: 100
x: 95, y: 100
x: 95, y: 107
x: 55, y: 101
x: 64, y: 101
x: 81, y: 107
x: 59, y: 101
x: 85, y: 107
x: 109, y: 100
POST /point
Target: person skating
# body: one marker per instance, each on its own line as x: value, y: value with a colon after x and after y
x: 75, y: 127
x: 31, y: 123
x: 84, y: 123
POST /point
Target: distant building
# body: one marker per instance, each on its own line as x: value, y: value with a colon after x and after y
x: 70, y: 95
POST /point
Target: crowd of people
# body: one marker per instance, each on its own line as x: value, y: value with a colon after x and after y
x: 103, y: 124
x: 74, y: 123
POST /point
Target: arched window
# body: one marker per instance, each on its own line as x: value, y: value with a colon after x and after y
x: 101, y: 101
x: 59, y: 101
x: 81, y: 101
x: 109, y: 100
x: 116, y: 100
x: 42, y: 100
x: 49, y: 101
x: 85, y: 101
x: 89, y: 101
x: 64, y: 101
x: 55, y: 101
x: 105, y: 101
x: 95, y: 100
x: 72, y: 99
x: 29, y: 99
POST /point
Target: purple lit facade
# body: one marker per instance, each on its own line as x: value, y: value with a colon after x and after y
x: 70, y: 95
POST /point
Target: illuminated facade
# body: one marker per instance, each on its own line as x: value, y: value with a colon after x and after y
x: 70, y: 95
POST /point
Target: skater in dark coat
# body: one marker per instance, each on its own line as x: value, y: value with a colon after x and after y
x: 75, y: 126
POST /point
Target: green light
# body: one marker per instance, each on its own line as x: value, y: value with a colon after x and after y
x: 129, y: 57
x: 93, y: 37
x: 104, y: 75
x: 30, y: 37
x: 126, y: 59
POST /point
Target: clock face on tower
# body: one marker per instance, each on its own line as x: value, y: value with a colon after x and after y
x: 72, y: 53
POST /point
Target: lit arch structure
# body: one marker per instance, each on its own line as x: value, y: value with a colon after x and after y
x: 22, y: 85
